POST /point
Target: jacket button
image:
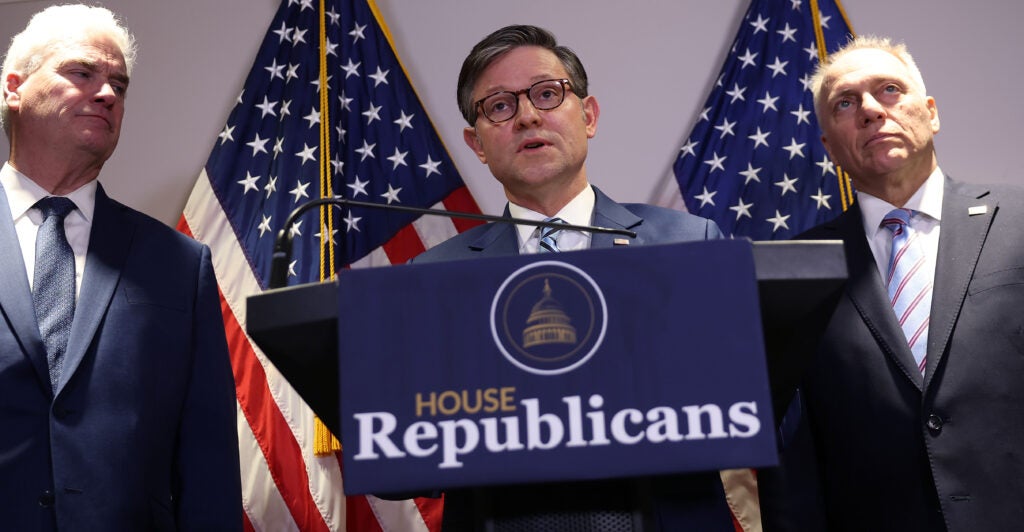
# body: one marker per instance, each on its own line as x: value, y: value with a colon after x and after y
x: 46, y: 499
x: 934, y: 424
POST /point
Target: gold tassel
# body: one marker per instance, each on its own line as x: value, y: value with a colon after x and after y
x: 324, y: 443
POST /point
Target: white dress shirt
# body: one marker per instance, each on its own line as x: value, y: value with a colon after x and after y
x: 579, y: 211
x: 22, y: 193
x: 927, y: 201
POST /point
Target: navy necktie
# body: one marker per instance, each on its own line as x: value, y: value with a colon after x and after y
x: 53, y: 284
x: 548, y: 242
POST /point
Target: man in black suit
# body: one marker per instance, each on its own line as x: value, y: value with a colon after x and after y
x: 915, y: 403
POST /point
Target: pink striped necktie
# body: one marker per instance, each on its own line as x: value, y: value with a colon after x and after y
x: 908, y: 283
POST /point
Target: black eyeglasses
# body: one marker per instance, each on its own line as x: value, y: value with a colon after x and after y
x: 544, y: 95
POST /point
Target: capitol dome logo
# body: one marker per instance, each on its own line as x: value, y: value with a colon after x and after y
x: 548, y: 317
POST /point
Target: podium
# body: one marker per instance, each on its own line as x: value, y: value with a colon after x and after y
x: 795, y: 286
x: 798, y: 282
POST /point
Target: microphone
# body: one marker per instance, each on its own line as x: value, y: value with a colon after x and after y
x: 283, y: 243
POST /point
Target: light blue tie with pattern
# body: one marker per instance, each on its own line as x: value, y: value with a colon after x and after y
x: 548, y: 240
x: 53, y: 282
x: 908, y: 283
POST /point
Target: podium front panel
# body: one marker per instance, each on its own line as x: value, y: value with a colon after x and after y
x: 571, y: 366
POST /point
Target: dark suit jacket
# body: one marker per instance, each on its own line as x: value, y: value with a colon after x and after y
x: 652, y: 225
x: 690, y: 502
x: 898, y: 452
x: 140, y: 433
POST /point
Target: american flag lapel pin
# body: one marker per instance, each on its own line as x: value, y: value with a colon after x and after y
x: 621, y: 242
x: 976, y: 210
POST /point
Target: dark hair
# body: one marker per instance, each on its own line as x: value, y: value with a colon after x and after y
x: 502, y: 41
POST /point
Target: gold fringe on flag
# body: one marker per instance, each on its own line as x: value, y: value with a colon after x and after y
x: 325, y: 443
x: 845, y: 185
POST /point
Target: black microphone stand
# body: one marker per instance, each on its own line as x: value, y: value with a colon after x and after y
x: 283, y: 243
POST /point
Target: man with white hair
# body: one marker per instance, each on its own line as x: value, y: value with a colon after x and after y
x: 914, y: 402
x: 117, y: 401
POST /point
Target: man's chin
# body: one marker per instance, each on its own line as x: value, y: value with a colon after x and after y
x: 98, y: 141
x: 885, y: 160
x: 532, y: 183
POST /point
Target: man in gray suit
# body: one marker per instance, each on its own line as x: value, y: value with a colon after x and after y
x: 914, y: 402
x: 530, y: 119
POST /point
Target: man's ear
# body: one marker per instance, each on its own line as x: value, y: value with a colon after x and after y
x: 472, y: 139
x: 10, y: 90
x: 591, y: 112
x: 934, y: 112
x: 828, y: 150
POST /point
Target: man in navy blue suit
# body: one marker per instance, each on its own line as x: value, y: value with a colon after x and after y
x: 530, y: 119
x: 117, y: 406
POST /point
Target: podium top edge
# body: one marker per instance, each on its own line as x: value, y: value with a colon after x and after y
x: 800, y: 259
x: 798, y: 243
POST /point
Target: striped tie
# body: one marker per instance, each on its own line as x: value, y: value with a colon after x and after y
x: 910, y: 289
x: 548, y: 243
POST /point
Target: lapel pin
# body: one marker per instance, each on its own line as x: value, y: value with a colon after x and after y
x: 977, y: 209
x: 621, y: 242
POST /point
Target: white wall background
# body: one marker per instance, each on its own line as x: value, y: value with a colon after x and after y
x: 195, y: 54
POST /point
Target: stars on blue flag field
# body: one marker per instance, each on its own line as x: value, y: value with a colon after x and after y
x: 754, y: 161
x: 383, y: 147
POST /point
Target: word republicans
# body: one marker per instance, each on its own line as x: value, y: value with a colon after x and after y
x: 454, y: 438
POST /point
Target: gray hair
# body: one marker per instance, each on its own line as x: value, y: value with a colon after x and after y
x: 55, y: 27
x: 501, y: 42
x: 819, y: 88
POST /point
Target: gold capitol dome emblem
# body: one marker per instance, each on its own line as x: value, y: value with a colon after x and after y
x: 548, y: 317
x: 548, y: 323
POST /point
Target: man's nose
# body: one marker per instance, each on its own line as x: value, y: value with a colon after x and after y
x: 526, y: 113
x: 871, y: 110
x: 106, y: 93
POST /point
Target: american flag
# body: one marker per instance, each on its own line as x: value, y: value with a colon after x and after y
x: 267, y: 160
x: 754, y: 161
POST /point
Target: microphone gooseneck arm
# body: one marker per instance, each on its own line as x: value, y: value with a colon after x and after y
x: 283, y: 243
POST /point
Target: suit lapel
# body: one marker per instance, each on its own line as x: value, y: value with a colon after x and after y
x: 867, y: 293
x: 961, y: 238
x: 16, y: 296
x: 499, y: 239
x: 612, y: 215
x: 109, y: 242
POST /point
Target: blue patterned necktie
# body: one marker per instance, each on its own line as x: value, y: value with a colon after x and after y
x: 53, y: 284
x: 548, y: 242
x: 908, y: 283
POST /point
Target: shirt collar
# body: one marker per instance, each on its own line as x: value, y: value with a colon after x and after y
x: 579, y: 211
x: 926, y: 200
x: 23, y: 193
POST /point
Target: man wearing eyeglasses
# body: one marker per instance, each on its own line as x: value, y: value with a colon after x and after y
x: 530, y: 119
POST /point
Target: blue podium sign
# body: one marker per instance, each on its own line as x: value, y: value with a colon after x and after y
x: 570, y: 366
